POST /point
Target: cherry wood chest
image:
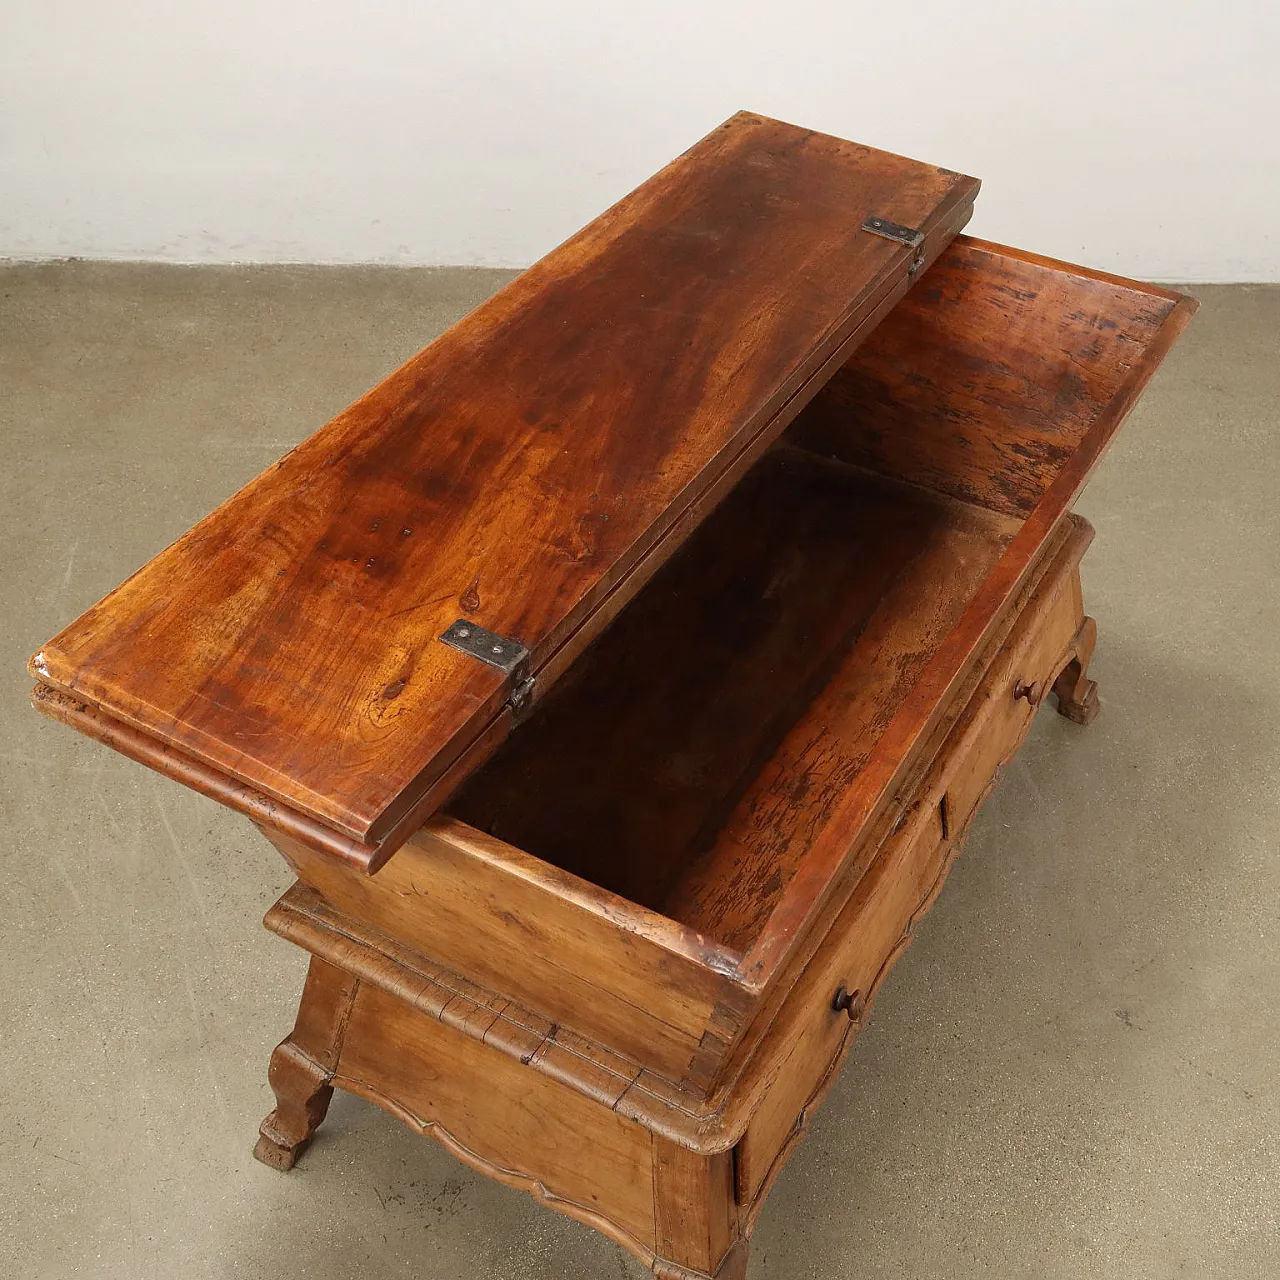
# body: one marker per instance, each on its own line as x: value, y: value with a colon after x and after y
x: 620, y: 677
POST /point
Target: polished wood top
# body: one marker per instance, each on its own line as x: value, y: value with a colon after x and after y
x: 526, y: 471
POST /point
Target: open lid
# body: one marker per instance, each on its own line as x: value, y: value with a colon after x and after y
x: 335, y: 646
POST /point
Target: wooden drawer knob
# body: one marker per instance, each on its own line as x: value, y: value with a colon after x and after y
x: 1032, y: 692
x: 852, y: 1003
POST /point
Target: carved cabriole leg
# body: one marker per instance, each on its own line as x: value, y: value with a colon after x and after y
x: 696, y: 1216
x: 1077, y: 695
x: 303, y: 1065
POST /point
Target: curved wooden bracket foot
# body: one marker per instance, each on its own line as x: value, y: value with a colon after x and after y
x: 302, y: 1066
x: 273, y: 1154
x: 1077, y: 695
x: 302, y: 1092
x: 1081, y: 708
x: 734, y: 1266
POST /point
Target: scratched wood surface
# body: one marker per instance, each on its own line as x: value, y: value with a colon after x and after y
x: 447, y: 1055
x: 986, y: 377
x: 788, y: 639
x: 512, y: 473
x: 809, y: 567
x: 992, y: 330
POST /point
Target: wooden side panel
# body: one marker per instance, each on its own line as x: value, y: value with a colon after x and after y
x: 501, y: 1117
x: 508, y: 920
x: 859, y: 950
x: 984, y: 380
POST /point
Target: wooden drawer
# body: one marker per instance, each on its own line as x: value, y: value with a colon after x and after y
x: 1008, y: 697
x: 805, y: 1046
x: 655, y: 854
x: 859, y: 950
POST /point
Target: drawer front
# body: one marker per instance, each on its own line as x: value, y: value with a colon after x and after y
x: 875, y: 925
x: 1006, y: 703
x: 866, y: 939
x: 1006, y: 719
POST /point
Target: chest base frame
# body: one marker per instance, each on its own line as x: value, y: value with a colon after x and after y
x: 532, y: 1105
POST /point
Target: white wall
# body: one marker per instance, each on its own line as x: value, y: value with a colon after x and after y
x: 1140, y: 136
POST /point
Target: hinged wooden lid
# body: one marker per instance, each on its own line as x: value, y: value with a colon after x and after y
x: 526, y: 472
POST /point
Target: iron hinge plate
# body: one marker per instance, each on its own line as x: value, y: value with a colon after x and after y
x: 488, y: 646
x: 896, y: 232
x: 509, y: 656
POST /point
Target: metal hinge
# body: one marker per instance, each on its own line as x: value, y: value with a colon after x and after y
x: 909, y: 236
x: 521, y: 697
x: 496, y: 651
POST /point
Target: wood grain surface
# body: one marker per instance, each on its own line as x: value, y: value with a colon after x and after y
x: 1094, y: 380
x: 508, y: 920
x: 985, y: 379
x: 859, y: 942
x: 513, y: 473
x: 513, y: 1093
x: 697, y: 798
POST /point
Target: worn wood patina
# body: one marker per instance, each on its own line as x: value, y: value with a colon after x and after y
x: 779, y: 511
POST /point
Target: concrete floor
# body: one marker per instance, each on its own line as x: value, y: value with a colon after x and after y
x: 1072, y: 1075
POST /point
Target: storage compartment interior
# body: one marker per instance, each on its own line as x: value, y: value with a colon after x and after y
x: 685, y: 759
